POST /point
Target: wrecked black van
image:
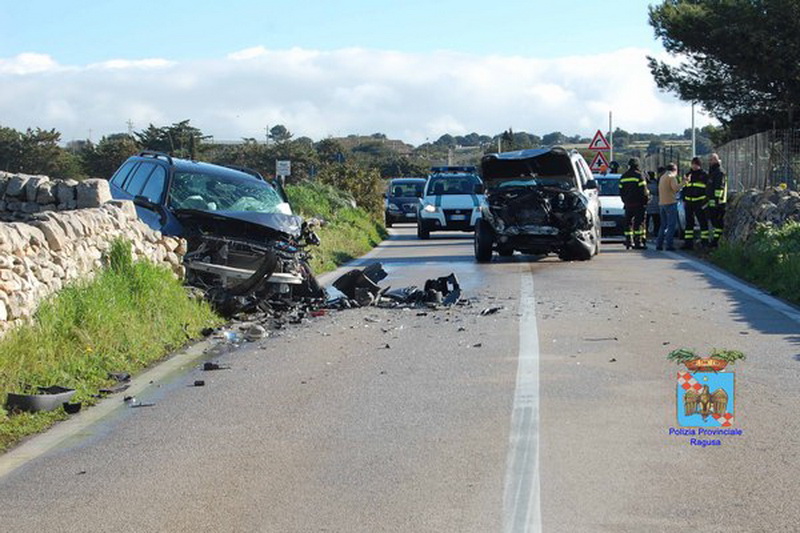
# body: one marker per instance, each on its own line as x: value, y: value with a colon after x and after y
x: 539, y: 201
x: 242, y: 237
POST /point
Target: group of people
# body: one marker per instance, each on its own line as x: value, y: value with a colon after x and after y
x: 656, y: 198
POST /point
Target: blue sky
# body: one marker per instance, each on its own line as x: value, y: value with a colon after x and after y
x: 413, y: 70
x: 92, y: 31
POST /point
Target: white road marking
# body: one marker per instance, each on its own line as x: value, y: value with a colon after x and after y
x: 787, y: 310
x: 521, y: 498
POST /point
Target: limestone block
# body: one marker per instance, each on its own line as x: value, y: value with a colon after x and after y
x: 45, y: 193
x: 16, y: 187
x: 32, y: 187
x: 65, y: 191
x: 92, y: 193
x: 56, y: 238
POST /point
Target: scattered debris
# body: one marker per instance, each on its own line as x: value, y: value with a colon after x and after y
x: 45, y: 399
x: 386, y: 346
x: 478, y: 345
x: 360, y: 289
x: 119, y: 377
x: 612, y: 360
x: 132, y: 401
x: 199, y: 383
x: 72, y: 408
x: 255, y: 332
x: 462, y: 328
x: 600, y: 339
x: 492, y: 310
x: 209, y: 365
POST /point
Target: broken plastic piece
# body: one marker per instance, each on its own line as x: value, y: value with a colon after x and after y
x: 209, y: 365
x: 199, y: 383
x: 491, y: 310
x: 366, y: 278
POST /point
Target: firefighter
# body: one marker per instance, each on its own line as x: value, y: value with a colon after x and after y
x: 717, y: 193
x: 695, y: 203
x: 634, y: 194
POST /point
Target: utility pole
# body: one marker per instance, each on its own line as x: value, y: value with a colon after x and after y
x: 499, y: 145
x: 610, y: 138
x: 694, y: 140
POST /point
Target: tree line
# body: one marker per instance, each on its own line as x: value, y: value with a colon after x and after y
x: 738, y: 60
x: 37, y: 151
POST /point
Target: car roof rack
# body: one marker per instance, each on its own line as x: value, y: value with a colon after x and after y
x: 154, y: 154
x: 246, y: 170
x: 452, y: 169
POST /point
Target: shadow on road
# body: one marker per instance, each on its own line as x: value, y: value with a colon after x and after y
x: 752, y: 313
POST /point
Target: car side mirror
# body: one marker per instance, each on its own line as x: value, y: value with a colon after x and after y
x: 479, y: 188
x: 591, y: 184
x: 145, y: 202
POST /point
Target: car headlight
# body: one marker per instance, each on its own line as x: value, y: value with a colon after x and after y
x: 429, y: 208
x: 393, y: 207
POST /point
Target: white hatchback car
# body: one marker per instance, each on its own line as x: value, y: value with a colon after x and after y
x: 452, y: 201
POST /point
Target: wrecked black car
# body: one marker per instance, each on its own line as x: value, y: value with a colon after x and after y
x: 242, y: 237
x: 539, y: 201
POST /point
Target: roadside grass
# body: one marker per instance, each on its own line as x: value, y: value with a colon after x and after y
x: 130, y: 315
x: 347, y: 232
x: 770, y: 260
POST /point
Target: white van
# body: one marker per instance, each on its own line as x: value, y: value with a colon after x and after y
x: 451, y: 201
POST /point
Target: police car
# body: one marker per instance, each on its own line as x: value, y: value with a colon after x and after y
x: 451, y: 201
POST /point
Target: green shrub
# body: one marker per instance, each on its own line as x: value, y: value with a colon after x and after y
x: 770, y: 259
x: 130, y: 315
x: 348, y: 232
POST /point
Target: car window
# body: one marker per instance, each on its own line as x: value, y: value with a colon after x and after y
x: 452, y: 185
x: 133, y: 185
x: 154, y: 188
x: 206, y: 192
x: 405, y: 190
x: 608, y: 186
x: 119, y: 176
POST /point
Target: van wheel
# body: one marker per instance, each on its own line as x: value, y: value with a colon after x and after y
x: 483, y: 242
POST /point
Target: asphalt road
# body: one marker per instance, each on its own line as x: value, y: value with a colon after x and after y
x: 552, y: 414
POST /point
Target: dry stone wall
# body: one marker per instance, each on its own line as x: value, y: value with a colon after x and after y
x: 53, y: 232
x: 746, y: 210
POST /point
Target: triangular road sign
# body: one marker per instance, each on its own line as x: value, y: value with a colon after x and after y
x: 599, y: 163
x: 599, y: 142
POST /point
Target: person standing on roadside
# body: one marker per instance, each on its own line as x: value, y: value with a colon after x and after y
x: 695, y: 201
x: 668, y: 188
x: 653, y: 210
x: 717, y: 193
x: 633, y: 191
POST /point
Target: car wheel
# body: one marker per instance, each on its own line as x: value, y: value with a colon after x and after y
x: 422, y: 232
x: 599, y: 238
x: 388, y: 222
x: 483, y: 242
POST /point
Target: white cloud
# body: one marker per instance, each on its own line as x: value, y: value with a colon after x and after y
x: 353, y: 90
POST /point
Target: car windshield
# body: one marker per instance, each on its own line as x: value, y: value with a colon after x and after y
x: 406, y: 189
x: 206, y: 192
x: 452, y: 185
x: 608, y: 185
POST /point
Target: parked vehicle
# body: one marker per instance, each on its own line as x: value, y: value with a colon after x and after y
x: 452, y: 201
x: 539, y: 201
x: 240, y: 229
x: 402, y: 200
x: 613, y: 211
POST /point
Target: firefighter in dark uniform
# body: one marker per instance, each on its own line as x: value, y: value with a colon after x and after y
x: 717, y: 193
x: 634, y: 194
x: 695, y: 202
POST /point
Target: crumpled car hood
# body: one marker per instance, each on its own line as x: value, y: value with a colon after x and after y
x: 290, y: 225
